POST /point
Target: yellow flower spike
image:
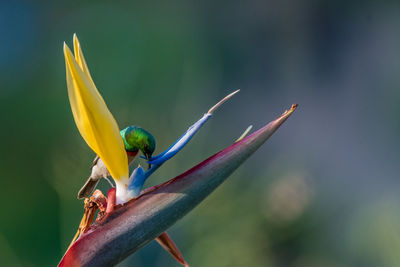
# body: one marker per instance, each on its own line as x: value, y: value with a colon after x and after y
x: 95, y: 122
x: 80, y: 59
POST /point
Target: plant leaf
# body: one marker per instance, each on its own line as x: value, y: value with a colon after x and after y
x: 141, y: 220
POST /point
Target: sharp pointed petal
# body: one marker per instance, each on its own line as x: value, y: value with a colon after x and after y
x: 248, y: 129
x: 180, y: 143
x: 185, y: 138
x: 80, y: 59
x: 169, y: 245
x: 214, y: 108
x: 92, y: 117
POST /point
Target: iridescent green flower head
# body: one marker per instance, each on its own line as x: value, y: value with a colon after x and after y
x: 137, y: 138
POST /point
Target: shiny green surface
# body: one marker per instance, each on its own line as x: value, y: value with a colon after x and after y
x: 136, y: 138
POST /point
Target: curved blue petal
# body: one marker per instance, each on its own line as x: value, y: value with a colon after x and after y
x: 180, y: 143
x: 139, y: 176
x: 136, y: 181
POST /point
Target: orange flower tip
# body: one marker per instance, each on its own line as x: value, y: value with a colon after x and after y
x: 291, y: 110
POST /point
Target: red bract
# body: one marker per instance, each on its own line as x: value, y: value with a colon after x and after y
x: 132, y: 225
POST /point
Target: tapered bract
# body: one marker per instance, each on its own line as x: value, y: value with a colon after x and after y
x: 139, y: 221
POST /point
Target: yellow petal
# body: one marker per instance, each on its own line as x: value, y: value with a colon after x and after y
x: 92, y: 117
x: 80, y: 59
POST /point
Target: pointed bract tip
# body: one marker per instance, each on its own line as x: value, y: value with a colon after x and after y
x: 211, y: 110
x: 291, y: 110
x: 66, y: 47
x: 76, y: 41
x: 68, y: 54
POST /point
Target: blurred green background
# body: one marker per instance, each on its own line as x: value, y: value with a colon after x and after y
x: 324, y: 190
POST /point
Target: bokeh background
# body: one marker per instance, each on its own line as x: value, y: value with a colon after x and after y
x: 324, y: 190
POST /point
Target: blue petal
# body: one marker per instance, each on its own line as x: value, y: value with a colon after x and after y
x: 139, y: 176
x: 180, y: 143
x: 136, y: 181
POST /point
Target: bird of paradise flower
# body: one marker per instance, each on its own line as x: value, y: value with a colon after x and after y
x: 100, y: 130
